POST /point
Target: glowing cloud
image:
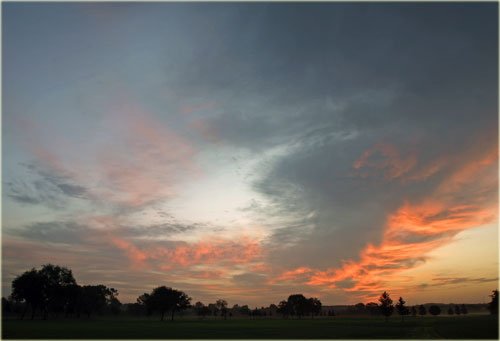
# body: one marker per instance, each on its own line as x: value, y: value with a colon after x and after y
x: 414, y: 229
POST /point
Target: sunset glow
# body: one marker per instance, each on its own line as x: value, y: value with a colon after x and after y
x: 247, y: 152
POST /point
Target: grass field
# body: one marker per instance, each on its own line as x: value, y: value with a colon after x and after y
x: 455, y: 327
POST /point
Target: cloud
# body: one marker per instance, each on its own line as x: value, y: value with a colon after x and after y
x: 145, y: 165
x: 415, y: 229
x: 363, y: 163
x: 461, y: 280
x: 249, y: 279
x: 40, y: 186
x: 65, y: 232
x: 390, y: 162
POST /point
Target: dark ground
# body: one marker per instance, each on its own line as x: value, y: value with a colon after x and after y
x: 449, y: 327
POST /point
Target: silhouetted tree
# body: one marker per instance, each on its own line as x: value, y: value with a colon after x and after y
x: 201, y: 309
x: 245, y: 310
x: 55, y: 280
x: 463, y: 309
x: 145, y: 301
x: 359, y: 308
x: 256, y: 312
x: 283, y: 309
x: 43, y: 289
x: 493, y: 305
x: 114, y: 305
x: 297, y: 304
x: 314, y: 306
x: 29, y: 288
x: 213, y: 309
x: 434, y: 310
x: 451, y: 311
x: 95, y: 298
x: 222, y: 307
x: 402, y: 309
x: 386, y: 307
x: 273, y: 309
x: 457, y: 310
x: 165, y: 299
x: 372, y: 308
x: 421, y: 310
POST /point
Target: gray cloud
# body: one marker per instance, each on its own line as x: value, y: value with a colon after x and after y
x: 40, y: 187
x: 249, y: 279
x: 418, y: 91
x: 461, y: 280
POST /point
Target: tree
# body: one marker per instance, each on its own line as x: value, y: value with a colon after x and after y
x: 165, y: 299
x: 283, y: 309
x: 434, y: 310
x: 95, y: 298
x: 314, y: 306
x: 386, y: 307
x: 145, y: 301
x: 493, y: 305
x: 181, y: 301
x: 359, y: 308
x: 451, y: 311
x: 43, y: 289
x: 55, y: 280
x: 201, y: 309
x: 273, y: 308
x: 463, y: 309
x: 421, y: 310
x: 115, y: 306
x: 457, y: 310
x: 29, y: 288
x: 222, y: 307
x: 213, y: 309
x: 372, y: 308
x: 401, y: 308
x: 245, y: 310
x: 297, y: 304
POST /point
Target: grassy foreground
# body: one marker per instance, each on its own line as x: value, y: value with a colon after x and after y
x: 455, y: 327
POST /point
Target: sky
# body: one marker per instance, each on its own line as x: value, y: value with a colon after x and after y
x: 249, y: 151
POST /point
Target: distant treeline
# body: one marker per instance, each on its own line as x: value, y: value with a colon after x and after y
x: 53, y: 292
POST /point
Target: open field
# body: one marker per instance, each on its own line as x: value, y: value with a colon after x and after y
x: 455, y: 327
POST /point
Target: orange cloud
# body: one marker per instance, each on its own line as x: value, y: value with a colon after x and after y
x: 214, y: 251
x: 298, y: 273
x: 136, y: 256
x: 417, y: 228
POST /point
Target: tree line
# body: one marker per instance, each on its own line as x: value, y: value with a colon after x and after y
x: 53, y: 291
